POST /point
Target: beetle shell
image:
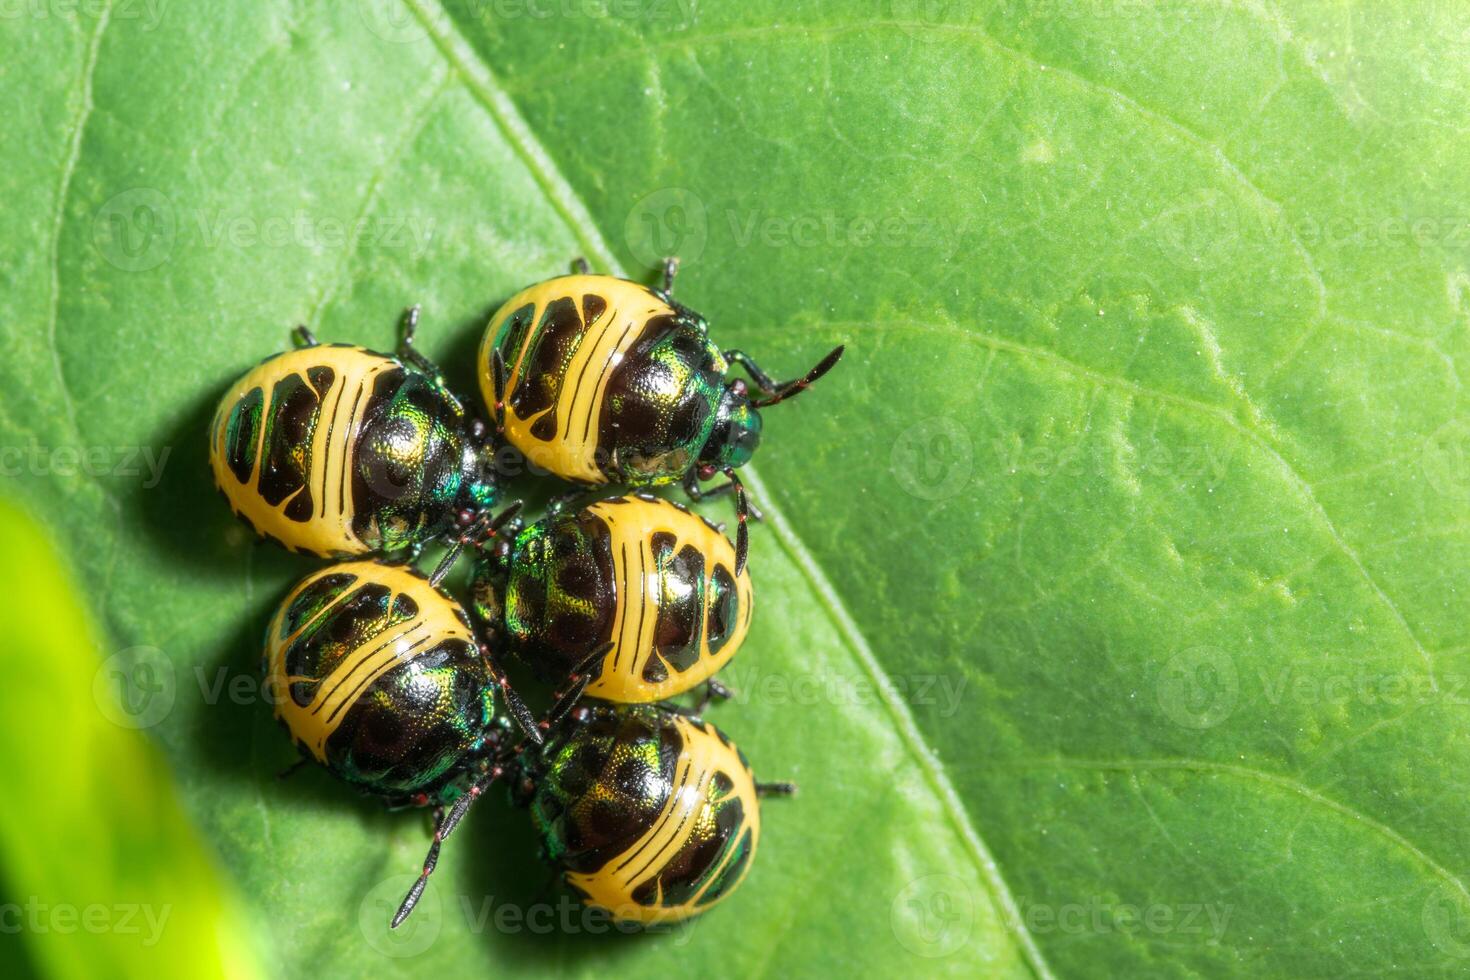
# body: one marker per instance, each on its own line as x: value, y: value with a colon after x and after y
x: 606, y: 381
x: 645, y: 574
x: 340, y: 451
x: 377, y: 675
x: 650, y: 815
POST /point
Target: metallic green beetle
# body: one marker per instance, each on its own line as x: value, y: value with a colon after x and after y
x: 342, y: 451
x: 378, y: 676
x: 650, y: 814
x: 602, y: 380
x: 644, y: 578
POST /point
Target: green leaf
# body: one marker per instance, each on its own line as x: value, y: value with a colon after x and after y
x: 103, y: 874
x: 1111, y: 609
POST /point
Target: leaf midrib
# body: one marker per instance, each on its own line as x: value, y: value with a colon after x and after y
x: 568, y: 205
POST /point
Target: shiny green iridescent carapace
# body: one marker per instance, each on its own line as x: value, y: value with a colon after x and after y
x: 414, y: 469
x: 600, y: 783
x: 417, y: 726
x: 547, y: 592
x: 682, y: 384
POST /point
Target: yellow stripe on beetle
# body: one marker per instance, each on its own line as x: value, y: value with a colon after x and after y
x: 642, y: 590
x: 702, y: 756
x: 433, y: 621
x: 598, y: 348
x: 327, y: 466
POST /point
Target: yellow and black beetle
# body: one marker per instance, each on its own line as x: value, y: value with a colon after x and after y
x: 602, y: 380
x: 643, y: 578
x: 650, y: 814
x: 377, y: 675
x: 341, y: 451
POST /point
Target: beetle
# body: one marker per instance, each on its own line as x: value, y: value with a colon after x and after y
x: 650, y: 814
x: 642, y: 577
x: 342, y: 451
x: 603, y: 380
x: 377, y: 674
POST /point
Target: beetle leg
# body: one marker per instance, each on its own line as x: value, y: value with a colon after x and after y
x: 445, y: 827
x: 564, y: 501
x: 291, y: 769
x: 713, y: 691
x: 303, y: 337
x: 582, y: 675
x: 698, y: 493
x: 513, y: 702
x: 580, y: 266
x: 775, y: 789
x: 670, y: 270
x: 763, y: 381
x: 674, y: 708
x: 408, y: 351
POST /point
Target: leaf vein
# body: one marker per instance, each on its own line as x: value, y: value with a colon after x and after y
x: 418, y: 119
x: 1298, y: 481
x: 1285, y: 783
x: 63, y: 193
x: 568, y: 204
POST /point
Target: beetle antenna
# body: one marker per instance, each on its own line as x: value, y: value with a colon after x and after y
x: 670, y: 270
x: 452, y: 555
x: 775, y: 789
x: 446, y: 827
x: 791, y: 388
x: 481, y: 529
x: 501, y: 519
x: 518, y: 709
x: 742, y: 514
x: 584, y: 673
